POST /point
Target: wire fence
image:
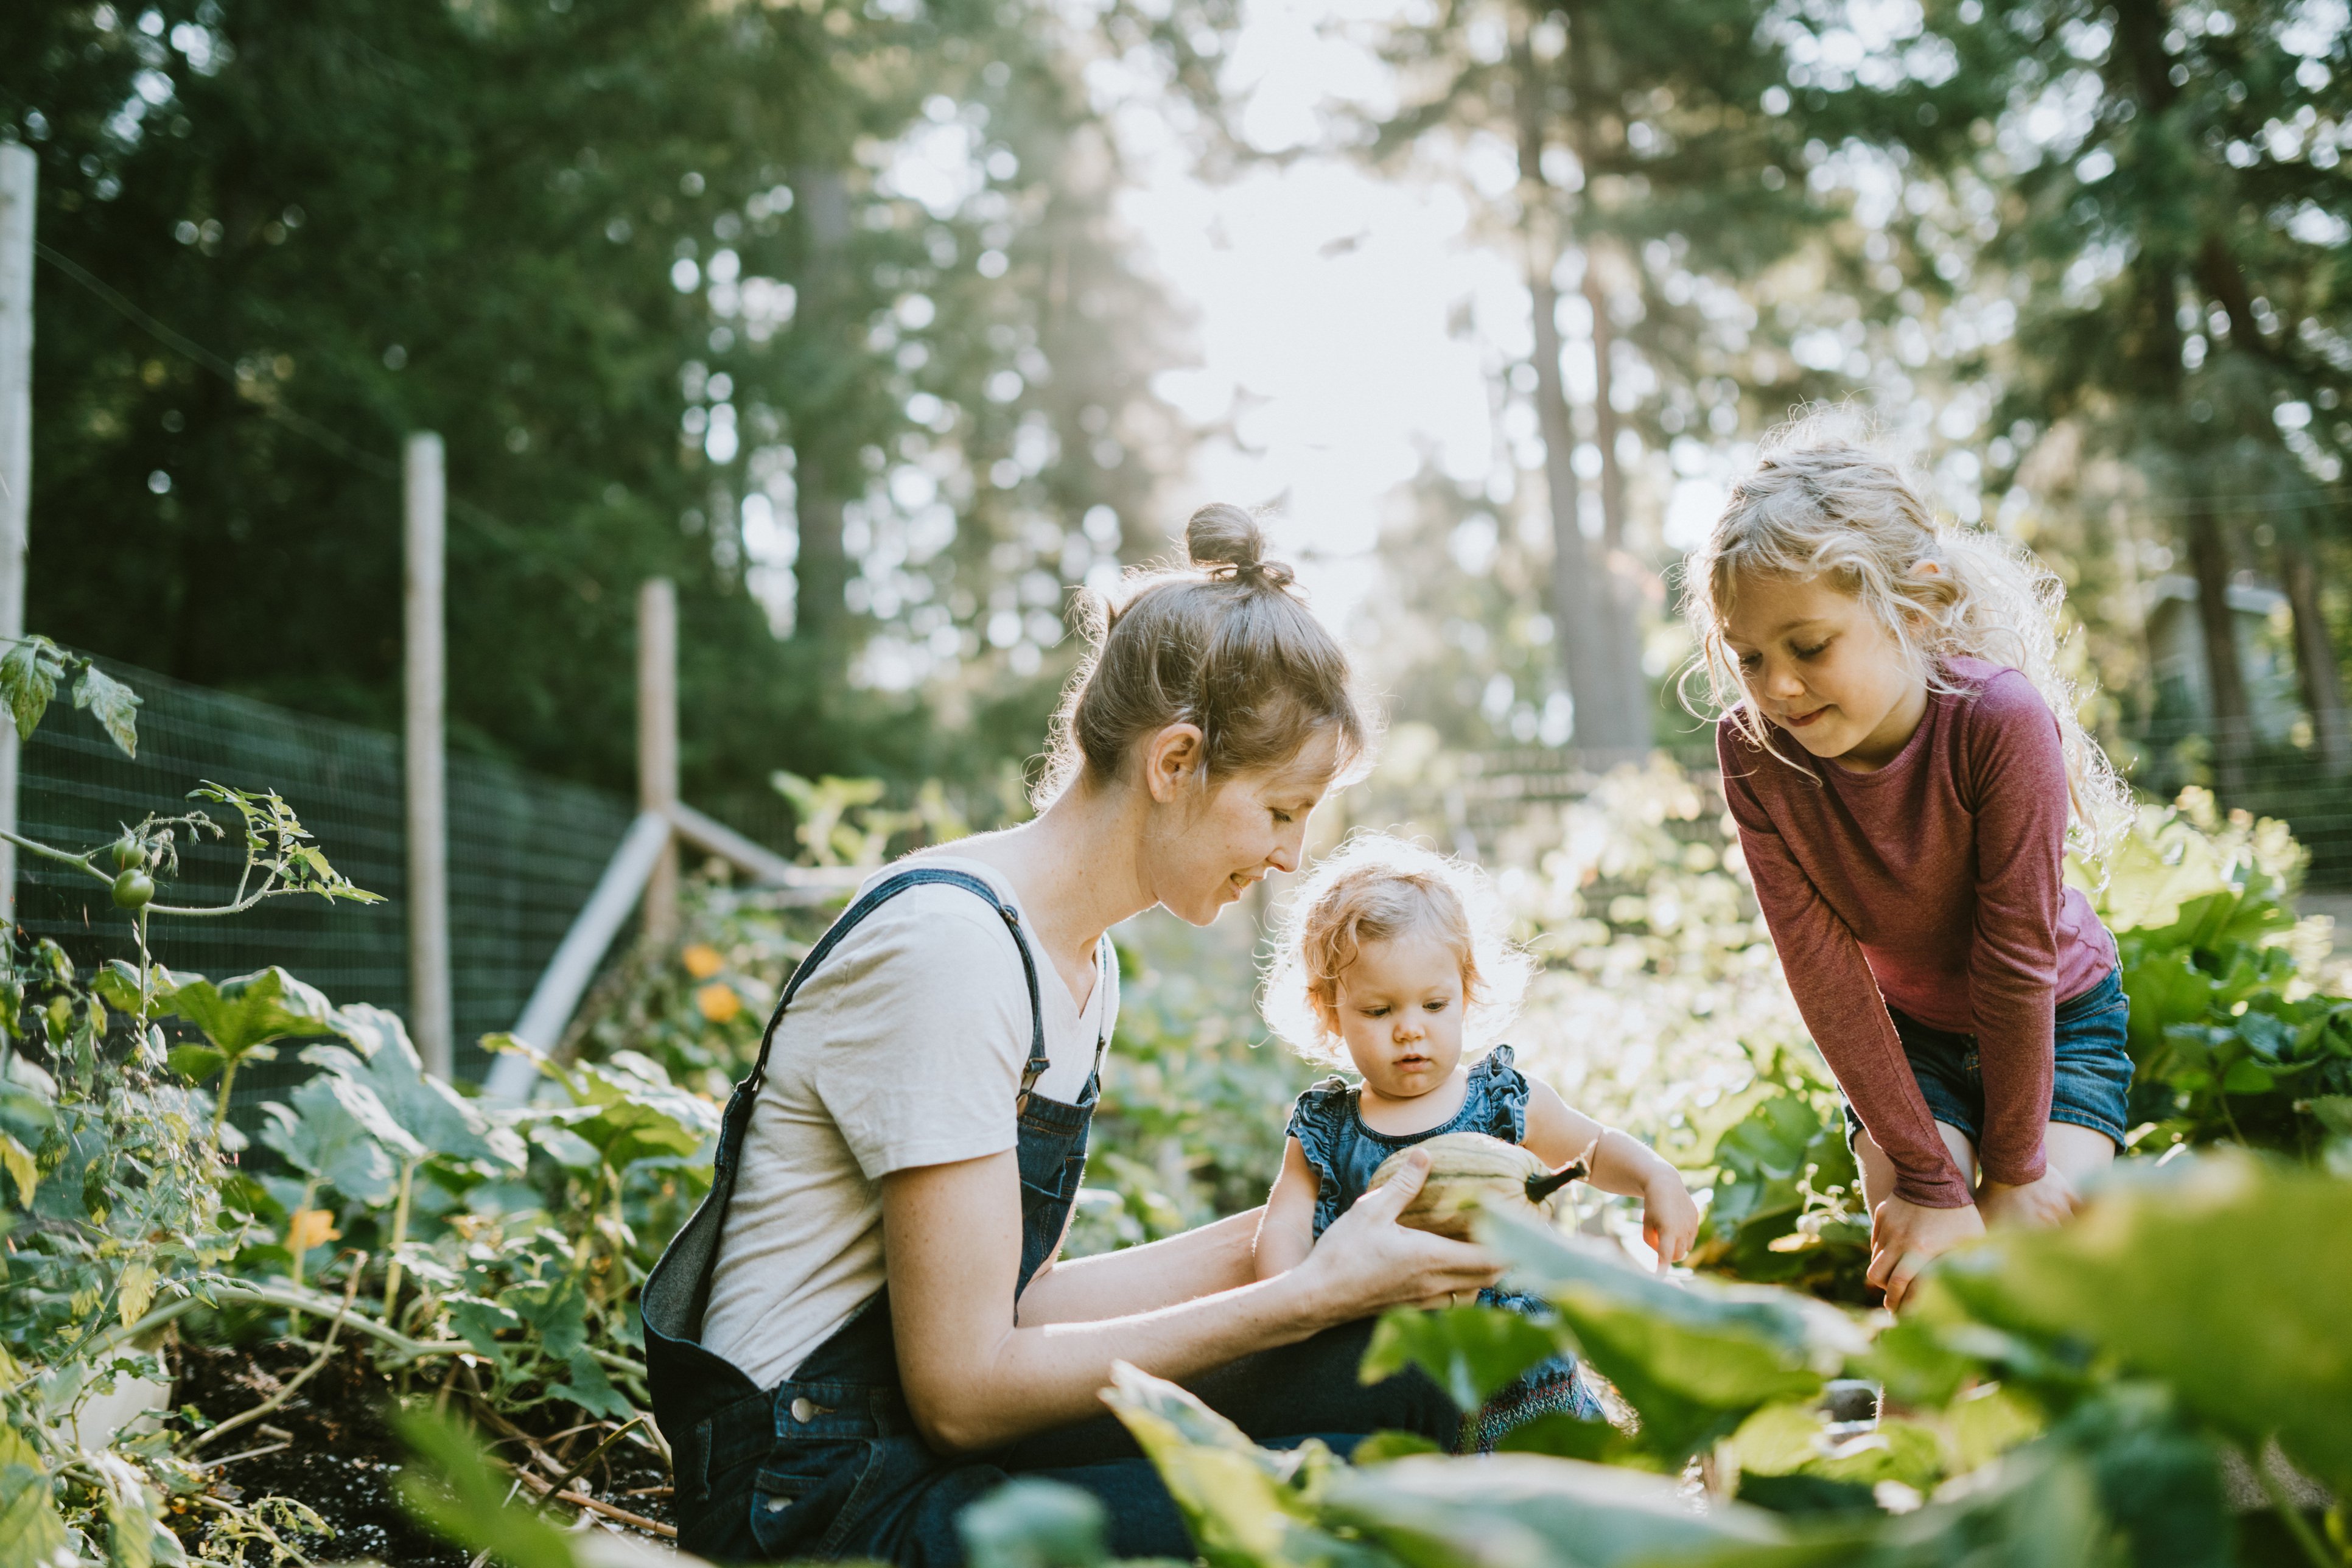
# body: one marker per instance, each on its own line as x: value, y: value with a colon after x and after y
x: 524, y: 852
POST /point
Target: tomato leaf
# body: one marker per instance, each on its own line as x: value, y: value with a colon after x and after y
x: 115, y: 705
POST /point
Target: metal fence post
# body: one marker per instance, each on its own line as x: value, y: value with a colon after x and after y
x: 425, y: 771
x: 19, y: 173
x: 657, y: 743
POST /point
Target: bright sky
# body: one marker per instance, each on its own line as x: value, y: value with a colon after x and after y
x: 1320, y: 293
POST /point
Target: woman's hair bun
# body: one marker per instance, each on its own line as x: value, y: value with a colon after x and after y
x: 1226, y: 541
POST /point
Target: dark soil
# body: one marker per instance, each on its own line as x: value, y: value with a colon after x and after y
x: 341, y: 1458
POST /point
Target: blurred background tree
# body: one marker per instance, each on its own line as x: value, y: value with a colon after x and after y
x: 833, y: 312
x: 820, y: 309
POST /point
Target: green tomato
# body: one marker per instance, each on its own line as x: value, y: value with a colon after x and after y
x: 129, y: 853
x: 134, y: 889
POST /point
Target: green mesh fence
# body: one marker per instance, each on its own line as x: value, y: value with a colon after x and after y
x: 524, y: 852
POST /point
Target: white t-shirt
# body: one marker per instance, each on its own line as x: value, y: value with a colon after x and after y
x: 905, y: 1048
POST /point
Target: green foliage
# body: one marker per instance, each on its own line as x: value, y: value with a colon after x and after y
x: 2095, y: 1404
x: 30, y: 673
x: 675, y: 350
x: 2142, y: 1280
x: 1695, y: 1360
x: 1472, y: 1353
x: 2229, y: 1042
x: 1031, y: 1523
x: 1788, y: 1197
x: 239, y: 1018
x: 454, y: 1489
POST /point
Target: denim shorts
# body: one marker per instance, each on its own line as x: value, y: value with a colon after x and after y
x: 2090, y: 1083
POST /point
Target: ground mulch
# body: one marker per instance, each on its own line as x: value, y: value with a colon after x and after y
x: 331, y: 1447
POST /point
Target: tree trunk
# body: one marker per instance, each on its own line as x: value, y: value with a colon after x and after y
x: 823, y: 475
x: 2225, y: 680
x: 1620, y: 579
x: 1622, y: 573
x: 2314, y: 656
x: 1580, y: 608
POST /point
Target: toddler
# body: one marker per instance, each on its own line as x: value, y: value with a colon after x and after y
x: 1901, y: 754
x: 1394, y: 960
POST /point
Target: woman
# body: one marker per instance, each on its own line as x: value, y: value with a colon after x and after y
x: 885, y: 1331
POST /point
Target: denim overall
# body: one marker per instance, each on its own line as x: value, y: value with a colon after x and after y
x: 828, y: 1463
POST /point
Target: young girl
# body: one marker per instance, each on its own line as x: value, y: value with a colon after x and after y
x: 1908, y: 848
x: 1394, y: 959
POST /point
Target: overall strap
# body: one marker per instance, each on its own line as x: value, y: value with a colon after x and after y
x: 882, y: 893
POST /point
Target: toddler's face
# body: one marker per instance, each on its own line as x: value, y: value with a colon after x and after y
x: 1400, y: 1013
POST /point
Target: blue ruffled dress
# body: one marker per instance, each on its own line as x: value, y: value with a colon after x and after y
x: 1326, y: 1120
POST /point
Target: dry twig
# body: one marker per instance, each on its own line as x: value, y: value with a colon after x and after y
x: 287, y: 1391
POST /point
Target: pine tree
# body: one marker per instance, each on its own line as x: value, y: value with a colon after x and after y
x: 1660, y: 177
x: 2162, y: 194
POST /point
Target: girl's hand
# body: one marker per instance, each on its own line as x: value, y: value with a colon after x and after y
x: 1367, y: 1262
x: 2049, y: 1201
x: 1904, y: 1236
x: 1669, y: 1217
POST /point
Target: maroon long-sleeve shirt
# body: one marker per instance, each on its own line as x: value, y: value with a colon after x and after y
x: 1933, y: 886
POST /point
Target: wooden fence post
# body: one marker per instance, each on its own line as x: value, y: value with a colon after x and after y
x: 19, y: 173
x: 657, y: 744
x: 424, y: 499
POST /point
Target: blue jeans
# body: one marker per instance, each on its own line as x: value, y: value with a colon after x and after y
x: 2090, y: 1080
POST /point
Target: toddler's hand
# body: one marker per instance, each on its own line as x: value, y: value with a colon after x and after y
x: 1669, y: 1218
x: 1905, y: 1235
x: 2047, y: 1202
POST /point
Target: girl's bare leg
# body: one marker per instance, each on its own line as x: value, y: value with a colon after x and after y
x: 2073, y: 1156
x: 1878, y: 1170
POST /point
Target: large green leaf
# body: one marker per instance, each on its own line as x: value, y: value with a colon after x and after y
x: 635, y: 1111
x: 237, y: 1014
x: 1772, y: 1218
x: 31, y: 1529
x: 115, y: 705
x: 1473, y: 1353
x: 2038, y: 1509
x: 1695, y: 1359
x: 1033, y: 1523
x: 1519, y: 1511
x: 2225, y: 1278
x: 1241, y: 1502
x: 338, y: 1131
x: 453, y: 1490
x: 30, y: 673
x: 441, y: 1120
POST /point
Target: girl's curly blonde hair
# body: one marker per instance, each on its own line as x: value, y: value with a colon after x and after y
x: 1824, y: 501
x: 1375, y: 887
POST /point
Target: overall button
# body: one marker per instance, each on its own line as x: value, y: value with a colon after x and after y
x: 803, y: 1410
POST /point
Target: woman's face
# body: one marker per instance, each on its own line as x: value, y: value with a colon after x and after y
x: 1822, y: 667
x: 1206, y: 850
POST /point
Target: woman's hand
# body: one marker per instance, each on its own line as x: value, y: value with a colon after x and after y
x: 1904, y: 1236
x: 1367, y: 1262
x: 1669, y: 1217
x: 2038, y: 1203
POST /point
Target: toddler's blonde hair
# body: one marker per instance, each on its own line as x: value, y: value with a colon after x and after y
x: 1376, y: 887
x: 1822, y: 501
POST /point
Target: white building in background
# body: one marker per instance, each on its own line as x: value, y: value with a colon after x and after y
x: 2265, y: 637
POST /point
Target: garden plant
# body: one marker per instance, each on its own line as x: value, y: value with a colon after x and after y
x: 195, y: 1292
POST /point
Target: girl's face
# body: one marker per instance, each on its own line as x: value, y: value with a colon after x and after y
x: 1205, y: 852
x: 1398, y: 1011
x: 1822, y: 667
